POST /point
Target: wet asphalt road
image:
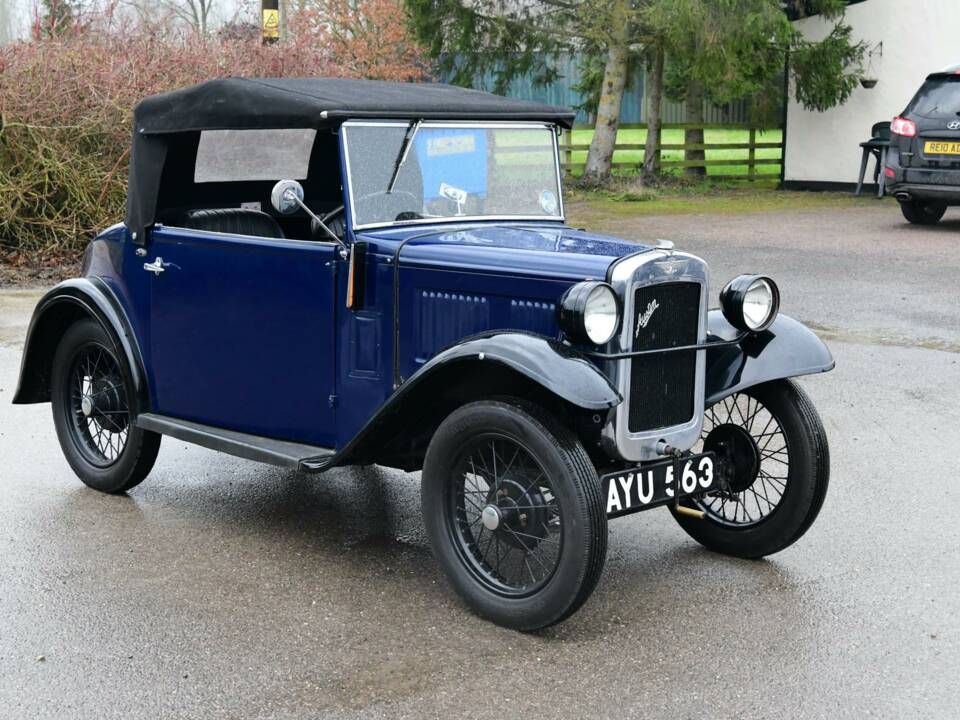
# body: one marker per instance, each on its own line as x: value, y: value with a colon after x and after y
x: 224, y: 589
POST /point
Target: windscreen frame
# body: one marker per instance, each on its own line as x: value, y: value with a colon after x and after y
x: 517, y: 125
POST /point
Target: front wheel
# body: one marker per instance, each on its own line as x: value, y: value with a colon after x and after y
x: 922, y: 213
x: 92, y: 396
x: 772, y: 476
x: 513, y: 509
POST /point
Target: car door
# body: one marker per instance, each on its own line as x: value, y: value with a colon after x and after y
x: 242, y: 332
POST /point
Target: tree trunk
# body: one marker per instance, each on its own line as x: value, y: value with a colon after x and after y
x: 654, y: 91
x: 600, y: 155
x: 694, y: 136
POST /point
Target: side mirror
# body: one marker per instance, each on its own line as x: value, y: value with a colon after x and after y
x: 287, y: 196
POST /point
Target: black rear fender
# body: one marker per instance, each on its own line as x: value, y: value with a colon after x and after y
x: 65, y: 304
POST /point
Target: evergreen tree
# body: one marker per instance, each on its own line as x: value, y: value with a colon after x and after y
x: 713, y: 49
x: 56, y: 17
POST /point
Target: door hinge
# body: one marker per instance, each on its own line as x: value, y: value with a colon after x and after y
x: 332, y: 401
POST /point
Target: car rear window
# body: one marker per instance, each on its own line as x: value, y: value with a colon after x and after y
x: 937, y: 97
x: 243, y: 155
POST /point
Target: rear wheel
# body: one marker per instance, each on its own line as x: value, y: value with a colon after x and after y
x: 772, y: 475
x: 91, y: 395
x: 922, y: 213
x: 513, y: 508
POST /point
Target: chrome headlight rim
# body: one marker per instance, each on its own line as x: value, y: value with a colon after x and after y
x: 734, y: 295
x: 575, y: 305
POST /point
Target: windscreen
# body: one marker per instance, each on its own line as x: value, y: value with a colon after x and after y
x: 939, y: 97
x: 433, y: 172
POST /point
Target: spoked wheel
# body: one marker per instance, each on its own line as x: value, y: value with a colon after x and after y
x: 772, y: 472
x: 504, y: 516
x: 92, y: 410
x: 512, y: 506
x: 99, y: 408
x: 754, y: 461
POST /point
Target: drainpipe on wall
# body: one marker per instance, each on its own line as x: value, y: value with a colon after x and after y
x: 786, y: 104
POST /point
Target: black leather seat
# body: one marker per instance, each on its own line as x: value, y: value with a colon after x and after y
x: 234, y: 221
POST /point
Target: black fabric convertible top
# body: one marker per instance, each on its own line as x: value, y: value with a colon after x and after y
x: 314, y: 102
x: 160, y: 121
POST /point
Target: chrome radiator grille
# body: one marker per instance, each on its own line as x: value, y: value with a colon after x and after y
x: 663, y: 385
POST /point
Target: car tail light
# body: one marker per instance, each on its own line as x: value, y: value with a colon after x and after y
x: 904, y: 127
x: 888, y: 172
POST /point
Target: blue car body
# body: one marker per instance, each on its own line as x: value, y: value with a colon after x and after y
x: 253, y: 334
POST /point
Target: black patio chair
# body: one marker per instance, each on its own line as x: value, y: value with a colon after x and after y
x: 877, y: 146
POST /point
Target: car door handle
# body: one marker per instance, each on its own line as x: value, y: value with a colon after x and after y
x: 156, y: 267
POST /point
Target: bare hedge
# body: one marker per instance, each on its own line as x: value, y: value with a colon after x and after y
x: 66, y: 108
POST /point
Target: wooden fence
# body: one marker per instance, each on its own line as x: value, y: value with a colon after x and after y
x: 750, y: 159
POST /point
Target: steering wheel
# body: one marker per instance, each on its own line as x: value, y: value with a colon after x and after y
x: 401, y: 201
x: 334, y: 220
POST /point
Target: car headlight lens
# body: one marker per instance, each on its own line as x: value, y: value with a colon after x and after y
x: 601, y: 316
x: 750, y: 302
x: 590, y: 313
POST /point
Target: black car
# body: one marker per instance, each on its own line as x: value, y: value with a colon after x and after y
x: 923, y: 165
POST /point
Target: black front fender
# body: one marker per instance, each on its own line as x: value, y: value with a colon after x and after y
x: 66, y: 303
x: 479, y: 367
x: 787, y: 349
x: 561, y: 370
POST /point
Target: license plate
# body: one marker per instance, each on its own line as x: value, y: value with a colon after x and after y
x: 647, y: 486
x: 941, y: 148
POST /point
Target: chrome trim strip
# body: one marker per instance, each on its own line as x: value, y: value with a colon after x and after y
x: 520, y: 125
x: 260, y: 239
x: 629, y: 273
x: 556, y: 165
x: 561, y: 217
x: 461, y: 219
x: 659, y: 351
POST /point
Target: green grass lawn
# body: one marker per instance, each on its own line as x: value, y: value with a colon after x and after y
x: 673, y: 136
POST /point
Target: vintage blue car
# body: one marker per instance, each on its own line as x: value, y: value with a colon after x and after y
x: 323, y: 272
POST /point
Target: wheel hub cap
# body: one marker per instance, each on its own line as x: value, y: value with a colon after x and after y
x: 739, y: 455
x: 491, y: 517
x: 86, y: 405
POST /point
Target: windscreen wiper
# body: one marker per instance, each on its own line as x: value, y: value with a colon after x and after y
x: 408, y: 137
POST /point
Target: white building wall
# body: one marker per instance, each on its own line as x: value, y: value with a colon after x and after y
x: 919, y: 37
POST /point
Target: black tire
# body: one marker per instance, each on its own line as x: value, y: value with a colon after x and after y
x: 803, y: 455
x: 566, y: 513
x: 922, y: 213
x: 101, y: 443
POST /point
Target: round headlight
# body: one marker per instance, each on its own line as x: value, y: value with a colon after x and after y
x: 590, y: 313
x: 750, y: 302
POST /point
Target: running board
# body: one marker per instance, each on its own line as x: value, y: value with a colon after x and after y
x: 309, y: 458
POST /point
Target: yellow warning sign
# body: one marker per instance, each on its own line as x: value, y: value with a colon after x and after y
x: 271, y: 23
